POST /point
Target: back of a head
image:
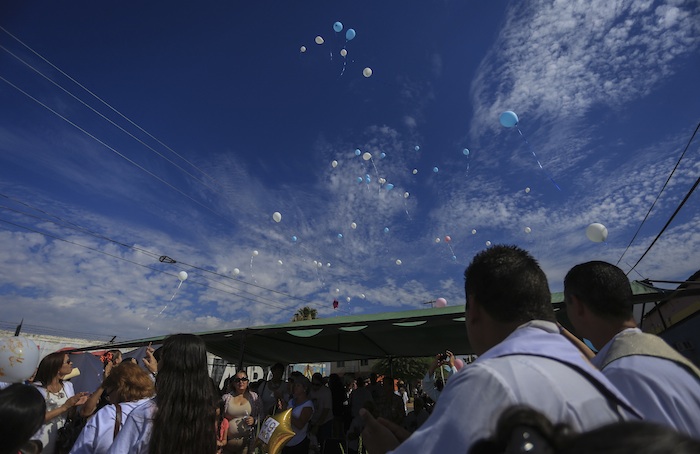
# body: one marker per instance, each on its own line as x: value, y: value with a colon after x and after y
x: 22, y: 412
x: 184, y: 421
x: 509, y: 285
x: 602, y: 287
x: 131, y: 382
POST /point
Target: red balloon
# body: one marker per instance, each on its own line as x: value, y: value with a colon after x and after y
x: 440, y: 302
x: 335, y: 304
x: 459, y: 363
x: 448, y: 239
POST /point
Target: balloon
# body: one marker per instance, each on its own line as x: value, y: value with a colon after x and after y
x: 276, y: 216
x: 415, y: 171
x: 367, y: 72
x: 382, y: 155
x: 337, y: 27
x: 276, y: 431
x: 436, y: 170
x: 527, y: 190
x: 337, y: 290
x: 334, y: 164
x: 597, y: 232
x: 294, y: 238
x: 447, y: 239
x: 389, y: 187
x: 459, y: 363
x: 255, y: 253
x: 382, y: 180
x: 367, y: 156
x: 488, y: 243
x: 319, y: 264
x: 302, y: 49
x: 362, y: 295
x: 347, y: 298
x: 359, y: 179
x: 465, y: 152
x: 398, y: 262
x: 386, y: 229
x: 353, y: 226
x: 405, y: 195
x: 340, y: 236
x: 236, y: 271
x: 474, y: 232
x: 357, y: 152
x: 508, y: 119
x: 279, y: 262
x: 319, y: 40
x: 350, y: 34
x: 437, y: 240
x: 417, y: 148
x: 328, y: 264
x: 528, y: 230
x: 454, y: 258
x: 368, y: 180
x: 19, y: 358
x: 440, y: 302
x: 343, y: 53
x: 182, y: 275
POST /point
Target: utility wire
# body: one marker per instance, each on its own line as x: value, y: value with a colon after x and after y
x: 655, y: 200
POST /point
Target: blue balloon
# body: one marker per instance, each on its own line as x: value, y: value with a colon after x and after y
x: 294, y: 238
x: 357, y: 152
x: 508, y: 119
x: 417, y: 148
x: 350, y: 34
x: 386, y: 229
x: 454, y: 258
x: 389, y: 186
x: 359, y: 179
x: 465, y: 152
x: 338, y: 26
x: 367, y: 179
x: 340, y: 235
x: 435, y: 169
x: 382, y: 156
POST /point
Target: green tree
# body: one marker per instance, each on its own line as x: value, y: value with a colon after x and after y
x: 409, y: 369
x: 305, y: 313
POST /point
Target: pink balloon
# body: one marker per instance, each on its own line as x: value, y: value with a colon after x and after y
x: 459, y: 363
x: 440, y: 302
x: 448, y: 239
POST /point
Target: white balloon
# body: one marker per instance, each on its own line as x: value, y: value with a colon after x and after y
x: 328, y: 264
x: 302, y: 49
x: 398, y: 262
x: 19, y: 358
x: 337, y: 290
x: 334, y: 164
x: 415, y: 171
x: 280, y: 262
x: 362, y: 295
x: 343, y: 53
x: 255, y: 253
x: 488, y: 243
x: 382, y: 180
x: 527, y: 190
x: 236, y: 271
x: 406, y: 195
x: 347, y: 299
x: 367, y: 72
x: 319, y: 40
x: 353, y: 226
x: 182, y: 275
x: 315, y: 262
x: 528, y: 230
x: 474, y: 232
x: 319, y: 264
x: 437, y: 240
x: 597, y: 232
x: 276, y: 216
x: 367, y: 156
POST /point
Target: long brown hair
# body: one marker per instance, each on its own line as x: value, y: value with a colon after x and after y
x: 49, y: 367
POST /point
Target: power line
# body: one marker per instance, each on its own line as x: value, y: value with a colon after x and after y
x: 654, y: 203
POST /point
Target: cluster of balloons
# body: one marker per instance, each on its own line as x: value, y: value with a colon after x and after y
x: 349, y: 36
x: 19, y: 358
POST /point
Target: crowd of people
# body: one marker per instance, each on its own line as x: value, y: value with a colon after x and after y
x: 535, y: 387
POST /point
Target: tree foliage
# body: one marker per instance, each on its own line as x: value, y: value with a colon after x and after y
x: 408, y: 369
x: 305, y: 313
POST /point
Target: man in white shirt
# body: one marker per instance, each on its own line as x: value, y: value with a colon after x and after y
x: 658, y: 380
x: 523, y: 360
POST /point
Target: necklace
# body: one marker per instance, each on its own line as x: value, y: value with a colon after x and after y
x: 60, y: 394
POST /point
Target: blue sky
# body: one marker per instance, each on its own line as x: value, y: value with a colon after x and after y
x: 213, y: 119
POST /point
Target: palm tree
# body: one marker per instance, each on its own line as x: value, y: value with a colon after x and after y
x: 305, y: 313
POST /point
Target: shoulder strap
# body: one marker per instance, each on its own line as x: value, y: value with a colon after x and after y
x: 117, y: 420
x: 636, y: 343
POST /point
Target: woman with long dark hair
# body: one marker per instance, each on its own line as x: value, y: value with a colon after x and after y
x: 59, y: 395
x: 243, y: 408
x: 181, y: 418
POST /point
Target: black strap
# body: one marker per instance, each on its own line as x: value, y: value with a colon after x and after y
x: 117, y: 420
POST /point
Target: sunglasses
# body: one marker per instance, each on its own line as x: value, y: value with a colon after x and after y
x: 239, y: 379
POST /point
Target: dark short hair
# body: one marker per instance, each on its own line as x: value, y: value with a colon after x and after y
x: 509, y: 285
x: 602, y: 287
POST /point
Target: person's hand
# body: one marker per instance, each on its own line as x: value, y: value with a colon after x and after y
x: 108, y: 368
x: 77, y: 399
x: 376, y: 436
x: 450, y: 358
x: 249, y: 420
x: 150, y: 361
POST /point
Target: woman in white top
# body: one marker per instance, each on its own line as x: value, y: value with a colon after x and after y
x: 128, y: 386
x: 59, y: 395
x: 302, y: 410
